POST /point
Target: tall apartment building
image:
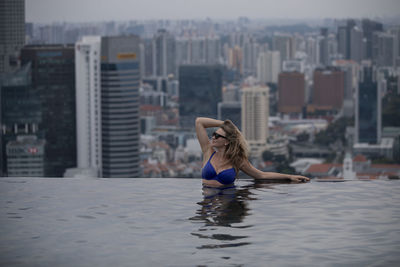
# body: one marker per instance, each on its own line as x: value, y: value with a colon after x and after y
x: 12, y: 33
x: 53, y: 80
x: 291, y: 90
x: 285, y: 44
x: 268, y: 66
x: 255, y: 116
x: 164, y: 54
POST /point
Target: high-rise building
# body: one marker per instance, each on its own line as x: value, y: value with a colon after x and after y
x: 384, y: 49
x: 12, y: 33
x: 250, y: 54
x: 328, y: 88
x: 25, y: 157
x: 344, y: 38
x: 120, y: 78
x: 88, y: 104
x: 357, y: 45
x: 350, y: 71
x: 291, y: 89
x: 235, y: 60
x: 323, y: 47
x: 368, y: 108
x: 313, y: 50
x: 164, y: 54
x: 285, y: 44
x: 268, y: 66
x: 255, y: 116
x: 200, y: 90
x: 369, y: 27
x: 53, y: 80
x: 20, y: 110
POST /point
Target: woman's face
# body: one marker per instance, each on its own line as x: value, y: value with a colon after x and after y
x: 218, y: 138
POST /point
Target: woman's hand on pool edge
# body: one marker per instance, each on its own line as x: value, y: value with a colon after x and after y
x: 299, y: 179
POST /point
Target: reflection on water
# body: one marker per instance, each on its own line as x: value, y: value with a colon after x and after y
x: 224, y: 207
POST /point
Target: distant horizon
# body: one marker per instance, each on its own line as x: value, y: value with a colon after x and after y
x: 90, y: 11
x: 253, y: 19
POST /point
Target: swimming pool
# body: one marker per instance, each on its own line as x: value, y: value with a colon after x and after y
x: 174, y: 222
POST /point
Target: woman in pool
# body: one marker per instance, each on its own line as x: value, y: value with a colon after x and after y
x: 226, y: 154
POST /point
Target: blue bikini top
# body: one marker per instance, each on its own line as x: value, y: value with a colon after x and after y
x: 225, y: 177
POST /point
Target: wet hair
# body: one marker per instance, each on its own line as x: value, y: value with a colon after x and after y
x: 236, y: 151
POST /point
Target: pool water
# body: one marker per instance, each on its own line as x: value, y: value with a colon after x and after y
x: 176, y: 222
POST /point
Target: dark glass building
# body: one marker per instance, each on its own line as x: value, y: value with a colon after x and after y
x: 120, y: 78
x: 53, y: 81
x: 200, y: 90
x: 368, y: 109
x: 20, y: 110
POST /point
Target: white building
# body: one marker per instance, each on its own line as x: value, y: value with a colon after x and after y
x: 255, y: 114
x: 268, y: 66
x: 88, y: 103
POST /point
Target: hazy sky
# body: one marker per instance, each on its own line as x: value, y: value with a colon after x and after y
x: 101, y: 10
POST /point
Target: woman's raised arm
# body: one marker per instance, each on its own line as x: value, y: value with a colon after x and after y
x: 201, y: 125
x: 257, y: 174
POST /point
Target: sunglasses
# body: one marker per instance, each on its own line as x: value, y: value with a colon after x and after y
x: 217, y: 135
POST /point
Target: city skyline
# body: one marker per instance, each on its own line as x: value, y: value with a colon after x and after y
x: 120, y: 10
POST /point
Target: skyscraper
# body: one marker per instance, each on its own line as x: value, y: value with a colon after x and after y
x: 200, y: 90
x: 268, y: 66
x: 368, y: 108
x: 20, y: 110
x: 88, y: 104
x: 53, y: 80
x: 384, y: 49
x: 323, y: 47
x: 255, y: 115
x: 285, y: 44
x: 328, y: 88
x: 369, y: 27
x: 291, y: 89
x: 350, y: 41
x: 164, y: 59
x: 120, y: 78
x: 12, y: 33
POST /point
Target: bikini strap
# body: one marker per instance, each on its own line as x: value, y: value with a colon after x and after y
x: 211, y: 156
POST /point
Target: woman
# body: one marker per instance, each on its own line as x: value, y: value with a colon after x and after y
x: 226, y: 154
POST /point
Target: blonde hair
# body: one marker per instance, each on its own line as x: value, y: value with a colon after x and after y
x: 236, y: 151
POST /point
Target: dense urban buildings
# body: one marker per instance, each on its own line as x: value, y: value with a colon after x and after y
x: 133, y: 94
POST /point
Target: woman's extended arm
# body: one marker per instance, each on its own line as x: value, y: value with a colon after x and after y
x: 201, y: 125
x: 257, y: 174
